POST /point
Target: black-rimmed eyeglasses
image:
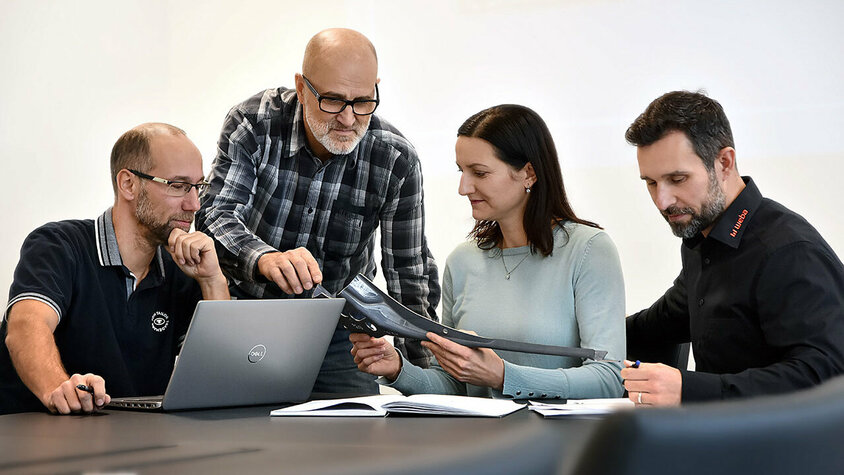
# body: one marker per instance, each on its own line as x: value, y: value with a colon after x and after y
x: 335, y: 105
x: 175, y: 188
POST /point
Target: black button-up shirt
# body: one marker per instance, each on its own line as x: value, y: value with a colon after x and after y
x: 761, y: 298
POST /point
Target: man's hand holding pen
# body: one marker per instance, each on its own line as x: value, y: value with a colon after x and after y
x: 652, y: 384
x: 80, y: 393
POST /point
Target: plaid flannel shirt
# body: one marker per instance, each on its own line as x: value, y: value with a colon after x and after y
x: 269, y: 192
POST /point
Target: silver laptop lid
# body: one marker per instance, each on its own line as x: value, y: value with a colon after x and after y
x: 246, y: 352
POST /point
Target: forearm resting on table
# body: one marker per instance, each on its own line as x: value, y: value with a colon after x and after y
x: 32, y: 347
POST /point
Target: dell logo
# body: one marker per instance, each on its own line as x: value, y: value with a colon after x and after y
x: 257, y: 353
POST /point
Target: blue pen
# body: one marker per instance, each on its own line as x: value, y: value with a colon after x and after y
x: 636, y: 364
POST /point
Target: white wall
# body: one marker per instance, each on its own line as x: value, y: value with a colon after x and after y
x: 78, y: 74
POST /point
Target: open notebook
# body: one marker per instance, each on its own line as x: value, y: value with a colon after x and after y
x: 381, y: 405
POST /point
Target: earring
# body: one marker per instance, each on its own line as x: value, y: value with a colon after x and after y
x: 527, y: 189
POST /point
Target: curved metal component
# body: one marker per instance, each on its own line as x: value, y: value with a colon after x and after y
x: 371, y: 311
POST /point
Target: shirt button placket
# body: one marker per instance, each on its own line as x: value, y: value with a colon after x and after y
x: 311, y: 203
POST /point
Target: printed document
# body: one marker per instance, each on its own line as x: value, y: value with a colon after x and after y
x: 581, y: 407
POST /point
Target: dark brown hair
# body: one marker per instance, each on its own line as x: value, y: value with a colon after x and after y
x: 702, y: 120
x: 519, y: 136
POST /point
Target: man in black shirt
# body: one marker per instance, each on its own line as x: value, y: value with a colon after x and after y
x: 761, y: 294
x: 99, y: 302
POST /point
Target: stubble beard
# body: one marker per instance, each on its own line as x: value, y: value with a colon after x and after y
x: 157, y: 231
x: 710, y: 211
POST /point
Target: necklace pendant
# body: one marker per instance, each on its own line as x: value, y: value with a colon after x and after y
x: 507, y: 276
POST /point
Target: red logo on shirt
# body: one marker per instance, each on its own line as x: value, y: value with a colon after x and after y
x: 739, y: 221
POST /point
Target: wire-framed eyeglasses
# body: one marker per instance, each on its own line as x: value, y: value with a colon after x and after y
x: 175, y: 188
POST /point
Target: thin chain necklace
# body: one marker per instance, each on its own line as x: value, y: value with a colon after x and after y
x: 507, y: 271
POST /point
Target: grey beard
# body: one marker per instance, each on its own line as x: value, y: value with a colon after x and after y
x: 322, y: 130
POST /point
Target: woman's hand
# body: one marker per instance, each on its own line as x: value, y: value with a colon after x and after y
x: 478, y: 366
x: 375, y: 356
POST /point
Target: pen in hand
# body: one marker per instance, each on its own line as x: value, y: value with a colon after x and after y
x: 636, y: 364
x: 88, y: 389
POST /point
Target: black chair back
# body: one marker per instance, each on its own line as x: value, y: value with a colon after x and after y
x: 794, y: 433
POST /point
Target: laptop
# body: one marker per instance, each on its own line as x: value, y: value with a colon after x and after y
x: 247, y: 352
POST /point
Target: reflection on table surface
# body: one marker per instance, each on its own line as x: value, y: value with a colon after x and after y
x: 238, y: 439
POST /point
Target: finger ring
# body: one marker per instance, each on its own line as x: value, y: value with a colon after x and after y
x: 640, y: 398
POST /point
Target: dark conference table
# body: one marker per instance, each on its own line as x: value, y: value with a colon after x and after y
x: 248, y: 440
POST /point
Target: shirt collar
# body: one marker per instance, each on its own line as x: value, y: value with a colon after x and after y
x: 107, y: 250
x: 736, y: 218
x: 298, y: 137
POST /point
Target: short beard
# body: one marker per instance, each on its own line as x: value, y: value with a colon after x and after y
x: 157, y: 231
x: 322, y: 132
x: 710, y: 210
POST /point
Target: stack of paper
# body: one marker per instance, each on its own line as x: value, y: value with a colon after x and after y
x: 453, y: 405
x: 581, y: 407
x: 379, y: 406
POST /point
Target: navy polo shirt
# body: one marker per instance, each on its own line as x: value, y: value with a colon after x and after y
x: 127, y: 335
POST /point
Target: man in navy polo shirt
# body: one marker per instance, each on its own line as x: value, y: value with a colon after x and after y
x: 761, y: 294
x: 103, y: 303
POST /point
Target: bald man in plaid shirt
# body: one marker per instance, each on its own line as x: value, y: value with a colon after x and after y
x: 302, y: 179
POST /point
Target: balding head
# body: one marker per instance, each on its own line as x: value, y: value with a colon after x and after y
x: 132, y: 149
x: 339, y: 64
x: 338, y: 45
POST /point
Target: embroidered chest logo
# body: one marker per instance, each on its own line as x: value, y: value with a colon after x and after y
x: 739, y: 221
x: 160, y: 321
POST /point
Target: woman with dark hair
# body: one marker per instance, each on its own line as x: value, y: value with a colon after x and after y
x: 533, y: 272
